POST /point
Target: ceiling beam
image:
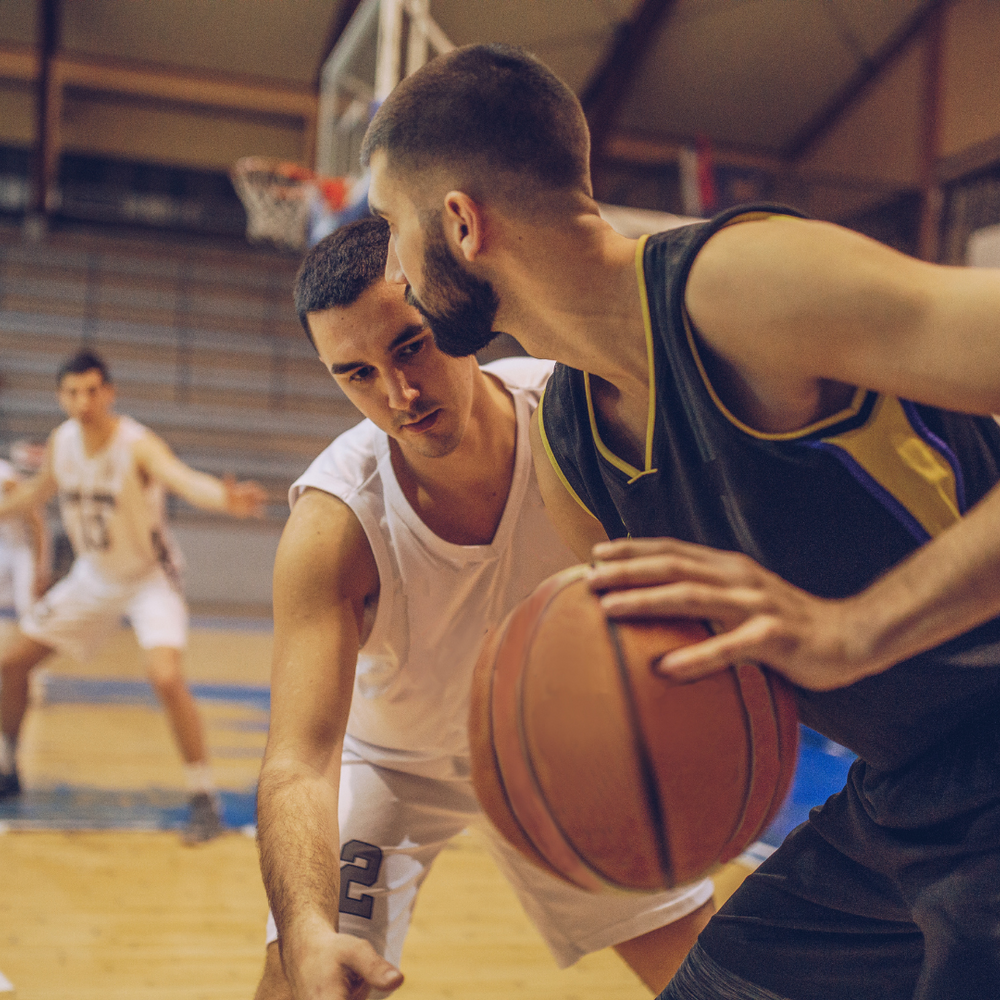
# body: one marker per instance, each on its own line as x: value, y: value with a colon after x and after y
x: 629, y: 150
x: 48, y: 107
x: 931, y: 193
x: 222, y: 92
x: 658, y: 151
x: 859, y: 85
x: 18, y: 63
x: 609, y: 86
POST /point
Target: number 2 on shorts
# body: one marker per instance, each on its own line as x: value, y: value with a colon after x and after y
x: 351, y: 873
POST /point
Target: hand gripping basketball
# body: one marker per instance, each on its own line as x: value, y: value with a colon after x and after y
x: 607, y: 773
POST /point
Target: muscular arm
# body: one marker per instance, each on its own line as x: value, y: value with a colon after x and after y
x: 785, y: 306
x: 323, y: 573
x: 154, y: 457
x: 578, y: 530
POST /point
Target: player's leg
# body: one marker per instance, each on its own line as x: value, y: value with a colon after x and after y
x: 651, y: 932
x: 656, y: 955
x: 159, y: 617
x: 18, y: 659
x: 164, y: 667
x: 808, y: 924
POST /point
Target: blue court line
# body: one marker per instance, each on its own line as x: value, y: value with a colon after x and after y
x: 63, y: 690
x: 76, y: 807
x: 821, y: 771
x: 66, y: 807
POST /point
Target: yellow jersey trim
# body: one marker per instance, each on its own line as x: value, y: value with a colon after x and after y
x: 609, y: 456
x: 907, y: 461
x: 554, y: 463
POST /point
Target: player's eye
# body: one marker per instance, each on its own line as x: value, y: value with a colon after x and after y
x: 412, y: 348
x: 362, y: 374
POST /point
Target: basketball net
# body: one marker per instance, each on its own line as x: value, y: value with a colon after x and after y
x: 279, y: 196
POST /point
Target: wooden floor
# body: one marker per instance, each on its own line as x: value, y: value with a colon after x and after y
x: 124, y: 915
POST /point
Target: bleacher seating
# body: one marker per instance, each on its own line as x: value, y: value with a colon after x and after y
x: 201, y: 338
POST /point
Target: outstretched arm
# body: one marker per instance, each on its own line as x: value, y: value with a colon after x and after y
x: 323, y: 573
x: 241, y: 499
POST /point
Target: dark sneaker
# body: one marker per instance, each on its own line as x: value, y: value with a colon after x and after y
x: 9, y: 785
x: 204, y: 822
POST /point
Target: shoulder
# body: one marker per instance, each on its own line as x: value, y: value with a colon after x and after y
x: 324, y: 545
x: 130, y: 430
x: 346, y: 465
x: 522, y: 375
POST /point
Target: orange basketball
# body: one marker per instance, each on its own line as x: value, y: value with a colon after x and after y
x: 606, y: 773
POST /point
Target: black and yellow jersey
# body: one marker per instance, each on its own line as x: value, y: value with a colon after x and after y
x: 829, y: 507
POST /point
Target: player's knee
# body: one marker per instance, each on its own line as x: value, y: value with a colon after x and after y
x: 273, y: 984
x: 20, y: 657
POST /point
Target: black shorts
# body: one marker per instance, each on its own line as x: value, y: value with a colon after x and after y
x: 850, y: 908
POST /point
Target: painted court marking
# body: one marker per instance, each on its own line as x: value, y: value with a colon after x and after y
x: 65, y: 806
x: 821, y: 771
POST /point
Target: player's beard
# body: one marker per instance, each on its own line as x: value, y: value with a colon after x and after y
x: 463, y: 322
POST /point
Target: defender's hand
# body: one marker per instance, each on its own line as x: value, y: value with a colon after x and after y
x: 757, y: 616
x: 332, y: 966
x: 244, y: 499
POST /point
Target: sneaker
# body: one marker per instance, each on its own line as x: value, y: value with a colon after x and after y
x: 204, y: 821
x: 10, y: 786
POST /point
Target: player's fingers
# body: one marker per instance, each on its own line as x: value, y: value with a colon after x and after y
x: 375, y: 973
x: 727, y: 605
x: 629, y: 548
x: 740, y: 645
x: 654, y: 570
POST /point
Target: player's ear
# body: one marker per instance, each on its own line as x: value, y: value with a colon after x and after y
x: 463, y: 224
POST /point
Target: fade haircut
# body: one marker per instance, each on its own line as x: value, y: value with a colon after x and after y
x: 341, y: 267
x: 493, y: 108
x: 84, y: 361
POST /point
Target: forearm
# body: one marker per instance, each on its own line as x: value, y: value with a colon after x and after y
x: 947, y: 587
x: 298, y: 838
x: 200, y: 490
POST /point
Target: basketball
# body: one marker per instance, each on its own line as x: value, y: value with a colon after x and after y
x: 608, y: 774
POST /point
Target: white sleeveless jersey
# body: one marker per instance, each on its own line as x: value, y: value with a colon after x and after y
x: 113, y: 517
x: 436, y: 599
x: 13, y: 533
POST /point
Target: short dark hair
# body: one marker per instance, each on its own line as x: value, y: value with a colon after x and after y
x: 84, y: 361
x: 491, y: 106
x: 341, y: 267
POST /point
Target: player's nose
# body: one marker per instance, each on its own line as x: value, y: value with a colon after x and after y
x: 402, y: 393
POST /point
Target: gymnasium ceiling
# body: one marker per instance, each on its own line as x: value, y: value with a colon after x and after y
x: 756, y: 74
x: 766, y: 81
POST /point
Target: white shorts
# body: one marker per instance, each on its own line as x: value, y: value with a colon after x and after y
x: 84, y: 608
x: 17, y: 577
x: 392, y: 826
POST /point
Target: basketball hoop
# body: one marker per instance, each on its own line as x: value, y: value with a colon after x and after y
x: 279, y: 196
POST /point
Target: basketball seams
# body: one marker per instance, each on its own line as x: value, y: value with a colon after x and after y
x: 740, y: 836
x: 532, y: 813
x: 569, y: 719
x: 654, y: 801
